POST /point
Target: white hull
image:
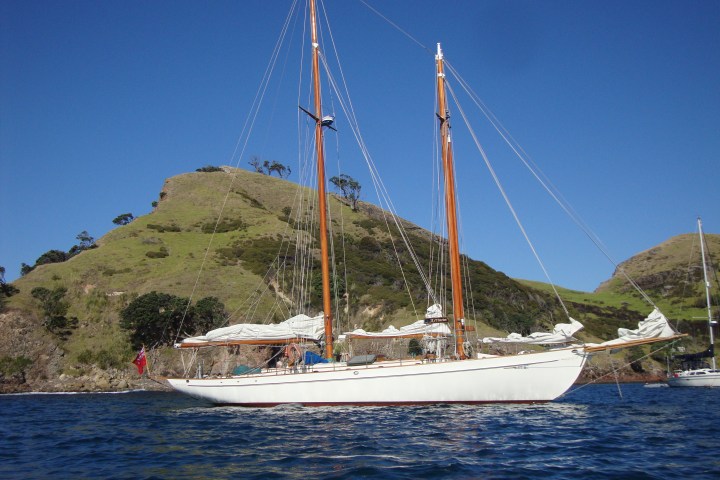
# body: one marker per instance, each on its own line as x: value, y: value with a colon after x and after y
x: 695, y: 378
x: 528, y: 378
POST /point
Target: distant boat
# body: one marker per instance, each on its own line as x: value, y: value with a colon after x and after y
x: 449, y: 374
x: 696, y: 371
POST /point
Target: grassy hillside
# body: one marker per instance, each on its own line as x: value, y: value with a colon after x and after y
x: 174, y: 250
x: 671, y: 273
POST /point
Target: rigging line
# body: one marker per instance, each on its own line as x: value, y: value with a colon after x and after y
x: 331, y: 242
x: 329, y: 29
x: 342, y: 238
x: 544, y: 181
x: 707, y: 265
x: 377, y: 183
x: 596, y: 380
x: 435, y: 240
x: 304, y: 223
x: 688, y: 277
x: 403, y: 235
x: 355, y: 128
x: 465, y: 272
x: 304, y: 201
x: 305, y: 174
x: 421, y: 45
x: 471, y: 299
x: 337, y: 149
x: 413, y: 39
x: 505, y: 197
x: 266, y: 278
x: 294, y: 214
x: 248, y: 126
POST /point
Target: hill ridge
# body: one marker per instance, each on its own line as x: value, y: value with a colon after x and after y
x: 164, y: 251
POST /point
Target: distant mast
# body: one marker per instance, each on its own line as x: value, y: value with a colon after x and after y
x: 324, y: 250
x: 450, y: 207
x: 707, y: 290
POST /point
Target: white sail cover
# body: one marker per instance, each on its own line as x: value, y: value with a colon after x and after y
x: 419, y: 328
x: 298, y: 327
x: 654, y: 326
x: 434, y: 311
x: 562, y: 333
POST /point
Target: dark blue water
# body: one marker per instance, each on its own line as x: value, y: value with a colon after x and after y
x: 590, y: 433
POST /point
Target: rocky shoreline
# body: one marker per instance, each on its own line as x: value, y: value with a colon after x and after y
x: 37, y: 363
x: 101, y: 381
x: 95, y: 381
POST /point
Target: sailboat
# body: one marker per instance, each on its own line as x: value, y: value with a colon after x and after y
x: 696, y: 372
x: 448, y: 373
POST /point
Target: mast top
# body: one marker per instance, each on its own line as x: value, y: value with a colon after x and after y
x: 439, y: 58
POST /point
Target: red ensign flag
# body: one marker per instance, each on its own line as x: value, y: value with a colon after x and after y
x: 140, y: 361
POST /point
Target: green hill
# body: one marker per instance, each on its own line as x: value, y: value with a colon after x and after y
x: 247, y: 262
x: 671, y: 273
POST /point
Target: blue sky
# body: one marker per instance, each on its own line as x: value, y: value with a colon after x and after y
x: 618, y: 102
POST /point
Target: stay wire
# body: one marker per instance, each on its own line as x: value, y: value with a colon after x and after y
x: 496, y: 179
x: 544, y: 181
x: 245, y: 133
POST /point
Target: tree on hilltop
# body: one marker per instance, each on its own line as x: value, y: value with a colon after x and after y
x: 209, y: 169
x: 6, y: 289
x: 51, y: 256
x: 123, y: 219
x: 86, y: 243
x: 256, y: 164
x: 349, y: 187
x: 277, y: 167
x: 267, y: 167
x: 25, y: 269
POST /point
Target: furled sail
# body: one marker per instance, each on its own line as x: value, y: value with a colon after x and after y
x: 654, y: 326
x: 299, y: 327
x: 414, y: 330
x: 428, y: 327
x: 562, y: 333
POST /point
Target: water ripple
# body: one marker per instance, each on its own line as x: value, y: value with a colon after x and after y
x: 591, y: 433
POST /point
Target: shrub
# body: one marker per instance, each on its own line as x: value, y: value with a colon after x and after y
x: 104, y: 359
x: 224, y: 226
x: 123, y: 219
x: 55, y: 308
x: 164, y: 228
x: 160, y: 318
x: 11, y: 366
x: 209, y: 168
x: 161, y: 254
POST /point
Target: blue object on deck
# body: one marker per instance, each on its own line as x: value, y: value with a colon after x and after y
x: 245, y: 370
x: 311, y: 358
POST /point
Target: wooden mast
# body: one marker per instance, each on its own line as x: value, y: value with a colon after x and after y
x: 450, y: 207
x: 322, y: 206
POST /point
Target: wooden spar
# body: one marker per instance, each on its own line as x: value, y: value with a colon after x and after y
x: 322, y: 206
x: 229, y: 343
x: 590, y: 348
x: 450, y: 207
